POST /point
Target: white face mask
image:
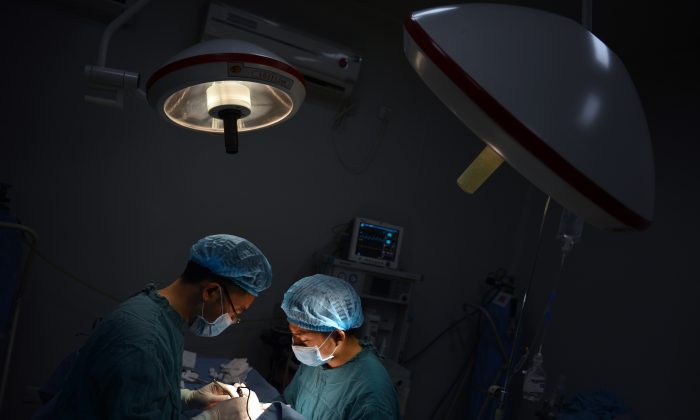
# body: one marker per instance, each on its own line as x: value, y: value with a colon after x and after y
x: 311, y: 356
x: 204, y: 328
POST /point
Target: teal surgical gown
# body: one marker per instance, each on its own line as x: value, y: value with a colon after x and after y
x: 359, y: 389
x: 130, y: 366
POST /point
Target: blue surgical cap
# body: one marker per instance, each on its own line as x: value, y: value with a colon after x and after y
x: 235, y: 259
x: 323, y: 303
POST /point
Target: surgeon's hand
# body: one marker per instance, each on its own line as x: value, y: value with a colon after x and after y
x: 206, y: 396
x: 238, y: 408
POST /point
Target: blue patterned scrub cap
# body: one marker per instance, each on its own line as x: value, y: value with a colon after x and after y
x: 323, y: 303
x: 235, y: 259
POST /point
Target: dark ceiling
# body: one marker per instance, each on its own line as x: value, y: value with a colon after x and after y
x: 657, y: 42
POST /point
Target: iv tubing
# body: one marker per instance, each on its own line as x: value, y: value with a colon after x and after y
x: 522, y: 309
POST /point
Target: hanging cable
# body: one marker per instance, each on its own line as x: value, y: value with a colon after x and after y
x: 569, y: 233
x: 344, y: 110
x: 76, y: 278
x: 475, y: 309
x: 17, y: 304
x: 427, y: 346
x: 518, y: 326
x: 538, y: 338
x: 462, y: 373
x: 465, y: 376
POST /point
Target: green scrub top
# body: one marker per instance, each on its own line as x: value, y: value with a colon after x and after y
x: 130, y: 366
x: 359, y: 389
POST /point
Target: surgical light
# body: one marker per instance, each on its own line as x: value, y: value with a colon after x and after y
x: 222, y: 96
x: 548, y: 97
x: 220, y: 86
x: 226, y: 86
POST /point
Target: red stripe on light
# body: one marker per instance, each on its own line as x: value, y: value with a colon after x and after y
x: 209, y: 58
x: 520, y: 133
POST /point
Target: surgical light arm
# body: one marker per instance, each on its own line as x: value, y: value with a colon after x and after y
x: 106, y: 85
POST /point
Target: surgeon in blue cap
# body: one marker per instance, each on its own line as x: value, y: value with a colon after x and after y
x: 130, y: 366
x: 340, y: 377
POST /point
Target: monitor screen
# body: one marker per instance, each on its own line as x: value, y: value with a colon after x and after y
x: 375, y: 243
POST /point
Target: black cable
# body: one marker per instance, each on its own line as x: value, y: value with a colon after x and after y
x: 462, y: 372
x: 466, y: 375
x: 454, y: 324
x: 369, y: 159
x: 546, y: 315
x: 486, y: 300
x: 341, y: 237
x: 74, y: 277
x: 247, y: 402
x: 519, y: 321
x: 488, y: 297
x: 427, y: 346
x: 487, y: 400
x: 449, y: 390
x: 335, y: 227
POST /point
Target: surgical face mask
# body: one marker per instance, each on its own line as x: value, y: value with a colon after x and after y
x: 204, y: 328
x: 311, y: 356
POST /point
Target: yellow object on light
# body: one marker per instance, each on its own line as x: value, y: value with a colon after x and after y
x: 549, y: 97
x: 226, y: 95
x: 479, y: 170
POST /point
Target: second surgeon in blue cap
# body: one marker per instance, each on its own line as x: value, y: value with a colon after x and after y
x: 130, y: 366
x: 340, y: 377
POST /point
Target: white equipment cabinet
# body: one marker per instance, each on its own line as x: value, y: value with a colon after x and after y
x: 386, y: 296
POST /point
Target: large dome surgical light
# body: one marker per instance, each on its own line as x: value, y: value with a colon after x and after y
x: 221, y: 86
x: 226, y: 86
x: 548, y: 97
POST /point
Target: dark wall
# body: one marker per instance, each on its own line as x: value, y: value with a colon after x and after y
x: 118, y: 196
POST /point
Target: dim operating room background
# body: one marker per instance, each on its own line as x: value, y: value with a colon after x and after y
x: 117, y: 197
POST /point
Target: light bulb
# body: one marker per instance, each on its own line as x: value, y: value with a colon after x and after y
x: 228, y: 95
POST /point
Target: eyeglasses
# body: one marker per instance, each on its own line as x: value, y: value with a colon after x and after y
x: 237, y: 319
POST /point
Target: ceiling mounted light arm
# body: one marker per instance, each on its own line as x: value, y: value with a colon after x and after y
x: 218, y: 86
x: 114, y: 26
x: 106, y: 85
x: 587, y: 14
